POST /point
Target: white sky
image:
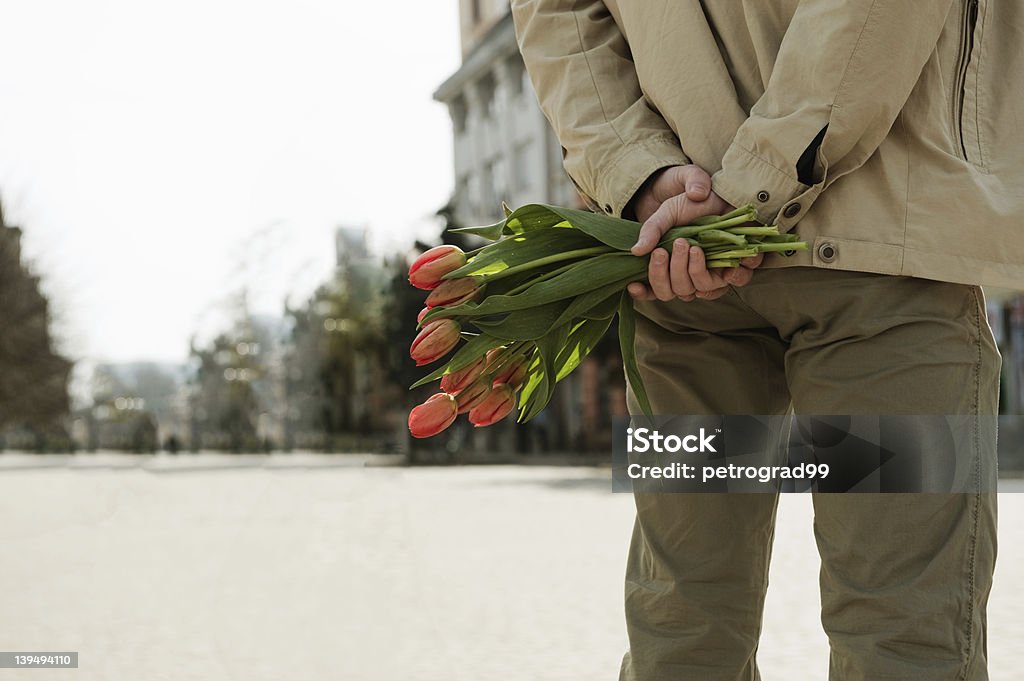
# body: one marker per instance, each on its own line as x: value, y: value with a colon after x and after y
x: 161, y: 155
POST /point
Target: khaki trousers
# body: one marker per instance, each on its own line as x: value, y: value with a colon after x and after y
x: 904, y: 577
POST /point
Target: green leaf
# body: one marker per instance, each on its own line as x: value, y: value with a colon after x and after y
x: 542, y: 384
x: 529, y: 324
x: 467, y: 354
x: 627, y: 339
x: 582, y: 339
x: 583, y: 303
x: 585, y: 276
x: 522, y: 249
x: 615, y: 232
x: 606, y: 309
x: 489, y: 232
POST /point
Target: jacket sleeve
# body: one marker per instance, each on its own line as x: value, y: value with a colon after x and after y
x: 843, y: 73
x: 587, y: 86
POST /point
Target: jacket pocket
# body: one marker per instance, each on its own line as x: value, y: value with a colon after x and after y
x: 965, y: 99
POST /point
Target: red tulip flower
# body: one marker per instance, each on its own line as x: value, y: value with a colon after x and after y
x: 454, y: 292
x: 513, y: 373
x: 473, y: 394
x: 434, y: 341
x: 457, y: 381
x: 429, y: 268
x: 496, y: 406
x: 433, y: 416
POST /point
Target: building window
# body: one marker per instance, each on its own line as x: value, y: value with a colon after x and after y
x: 516, y: 73
x: 486, y: 92
x: 521, y: 166
x: 487, y: 202
x: 457, y: 110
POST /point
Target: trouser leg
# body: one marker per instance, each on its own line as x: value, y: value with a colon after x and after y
x: 697, y: 569
x: 905, y: 577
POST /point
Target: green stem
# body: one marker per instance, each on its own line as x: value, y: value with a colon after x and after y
x: 770, y: 230
x: 557, y: 257
x: 733, y: 254
x: 693, y: 230
x: 539, y: 278
x: 713, y: 235
x: 747, y: 210
x: 789, y: 246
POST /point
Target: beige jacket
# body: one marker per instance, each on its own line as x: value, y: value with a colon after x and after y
x: 920, y: 169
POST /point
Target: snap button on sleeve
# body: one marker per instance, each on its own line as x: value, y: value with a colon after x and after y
x: 791, y: 210
x: 828, y: 251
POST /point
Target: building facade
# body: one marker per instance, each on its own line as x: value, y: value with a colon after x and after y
x: 504, y: 149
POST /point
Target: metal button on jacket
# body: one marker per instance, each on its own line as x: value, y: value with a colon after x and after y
x: 791, y: 210
x: 828, y: 251
x: 763, y: 196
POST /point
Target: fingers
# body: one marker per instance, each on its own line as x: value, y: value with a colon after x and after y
x: 711, y: 295
x: 696, y: 182
x: 751, y: 263
x: 679, y: 275
x: 658, y: 275
x: 691, y: 180
x: 738, y: 276
x: 640, y: 292
x: 702, y: 278
x: 660, y: 222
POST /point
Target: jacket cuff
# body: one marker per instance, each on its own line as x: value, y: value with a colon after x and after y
x: 623, y: 176
x: 779, y: 197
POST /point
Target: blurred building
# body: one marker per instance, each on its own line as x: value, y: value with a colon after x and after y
x: 34, y: 403
x: 336, y: 393
x: 134, y: 407
x: 505, y: 150
x: 1006, y: 317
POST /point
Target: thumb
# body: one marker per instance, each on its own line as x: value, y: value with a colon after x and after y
x: 660, y: 222
x: 698, y: 183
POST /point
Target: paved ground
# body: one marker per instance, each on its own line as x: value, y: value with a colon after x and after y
x: 232, y: 569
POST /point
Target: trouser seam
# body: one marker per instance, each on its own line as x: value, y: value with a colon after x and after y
x: 976, y: 506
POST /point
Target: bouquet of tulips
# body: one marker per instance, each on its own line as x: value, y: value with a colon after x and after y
x: 539, y: 298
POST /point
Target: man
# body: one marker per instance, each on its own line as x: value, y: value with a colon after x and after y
x: 880, y: 131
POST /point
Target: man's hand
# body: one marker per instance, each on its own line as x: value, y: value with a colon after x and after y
x: 675, y: 196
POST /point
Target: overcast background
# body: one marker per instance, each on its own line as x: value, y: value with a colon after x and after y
x: 161, y: 156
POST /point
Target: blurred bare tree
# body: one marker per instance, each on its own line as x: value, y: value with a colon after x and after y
x: 34, y: 403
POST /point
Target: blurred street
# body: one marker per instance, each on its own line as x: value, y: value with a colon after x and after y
x: 316, y: 568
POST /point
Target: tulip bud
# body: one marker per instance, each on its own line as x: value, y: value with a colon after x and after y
x: 457, y: 381
x: 454, y: 292
x: 433, y: 416
x: 434, y: 341
x: 429, y: 268
x: 423, y: 313
x: 496, y: 406
x: 495, y: 355
x: 473, y: 394
x: 513, y: 373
